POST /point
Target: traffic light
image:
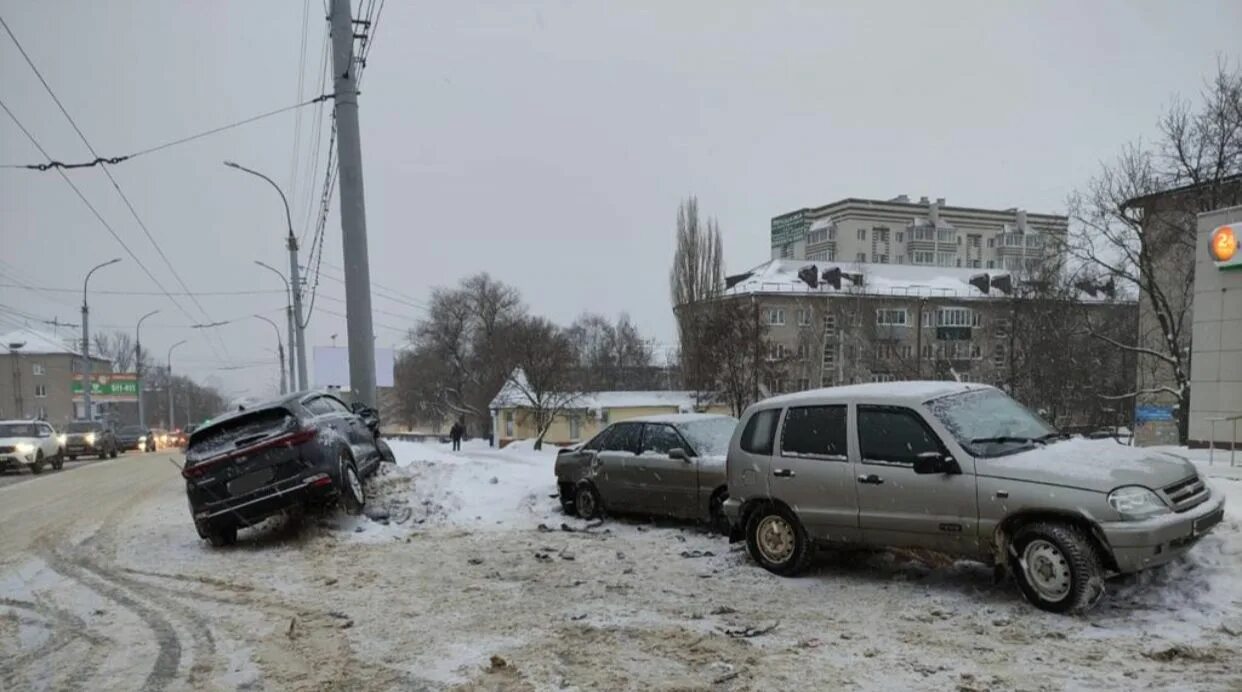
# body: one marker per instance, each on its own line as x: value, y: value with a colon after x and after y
x: 1223, y: 247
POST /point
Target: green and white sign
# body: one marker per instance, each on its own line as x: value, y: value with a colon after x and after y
x: 110, y: 385
x: 790, y: 228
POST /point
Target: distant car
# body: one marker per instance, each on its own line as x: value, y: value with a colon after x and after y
x: 669, y: 465
x: 176, y: 438
x: 134, y: 437
x: 289, y: 453
x: 89, y: 438
x: 31, y: 444
x: 160, y: 437
x: 964, y: 470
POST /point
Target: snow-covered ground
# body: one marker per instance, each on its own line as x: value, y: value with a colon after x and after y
x: 467, y: 576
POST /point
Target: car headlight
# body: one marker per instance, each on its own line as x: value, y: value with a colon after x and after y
x: 62, y: 439
x: 90, y: 438
x: 25, y: 448
x: 1136, y: 502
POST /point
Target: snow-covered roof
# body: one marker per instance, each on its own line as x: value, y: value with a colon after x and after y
x: 36, y: 343
x: 510, y: 395
x: 781, y: 276
x: 912, y: 391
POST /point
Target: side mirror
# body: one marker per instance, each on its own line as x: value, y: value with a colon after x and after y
x: 357, y: 407
x: 678, y: 453
x: 931, y: 463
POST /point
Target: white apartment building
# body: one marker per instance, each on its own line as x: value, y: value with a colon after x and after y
x: 926, y: 233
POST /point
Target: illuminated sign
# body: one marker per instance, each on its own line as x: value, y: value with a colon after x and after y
x: 1223, y: 247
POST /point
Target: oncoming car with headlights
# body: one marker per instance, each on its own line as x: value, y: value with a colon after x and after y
x: 89, y: 438
x: 961, y: 469
x: 32, y: 444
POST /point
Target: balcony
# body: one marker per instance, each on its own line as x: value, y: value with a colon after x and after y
x: 926, y: 236
x: 1019, y: 243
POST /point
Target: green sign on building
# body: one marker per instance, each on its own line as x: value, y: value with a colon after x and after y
x: 104, y: 385
x: 790, y: 228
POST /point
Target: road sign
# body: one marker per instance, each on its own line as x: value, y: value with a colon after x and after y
x: 790, y: 227
x: 1146, y: 413
x: 110, y: 386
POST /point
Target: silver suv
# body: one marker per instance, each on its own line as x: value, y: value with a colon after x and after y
x: 962, y: 469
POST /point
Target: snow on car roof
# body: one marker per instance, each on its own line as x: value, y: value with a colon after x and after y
x: 675, y: 418
x: 912, y: 391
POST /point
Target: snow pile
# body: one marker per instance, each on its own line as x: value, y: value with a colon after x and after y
x: 477, y: 487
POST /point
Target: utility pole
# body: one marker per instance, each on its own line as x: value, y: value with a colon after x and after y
x: 289, y: 326
x: 89, y: 413
x: 172, y: 425
x: 353, y: 211
x: 18, y: 403
x: 280, y: 349
x: 142, y: 417
x: 295, y: 285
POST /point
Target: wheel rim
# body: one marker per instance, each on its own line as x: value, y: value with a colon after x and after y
x: 586, y: 502
x: 1047, y: 570
x: 355, y: 485
x: 775, y: 539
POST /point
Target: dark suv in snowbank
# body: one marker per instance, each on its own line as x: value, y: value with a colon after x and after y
x: 305, y: 448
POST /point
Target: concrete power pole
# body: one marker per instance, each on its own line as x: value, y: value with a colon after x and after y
x: 353, y: 211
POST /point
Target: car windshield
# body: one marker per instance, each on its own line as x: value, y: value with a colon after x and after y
x: 84, y: 426
x: 17, y: 430
x: 709, y: 437
x: 988, y: 423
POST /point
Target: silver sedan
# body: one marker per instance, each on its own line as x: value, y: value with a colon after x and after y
x: 671, y: 465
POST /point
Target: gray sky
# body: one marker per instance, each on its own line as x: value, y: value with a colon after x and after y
x: 548, y: 144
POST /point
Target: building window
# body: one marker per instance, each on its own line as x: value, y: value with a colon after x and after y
x: 1000, y: 329
x: 38, y: 369
x: 822, y: 235
x: 991, y: 242
x: 862, y: 257
x: 880, y: 234
x: 973, y: 264
x: 776, y: 316
x: 974, y: 241
x: 922, y: 257
x: 804, y: 384
x: 778, y: 386
x: 803, y: 350
x: 896, y: 317
x: 804, y: 317
x: 821, y: 256
x: 901, y: 236
x: 901, y: 259
x: 862, y: 234
x: 575, y: 427
x: 998, y: 356
x: 880, y: 259
x: 945, y: 259
x: 991, y: 264
x: 959, y: 261
x: 927, y: 351
x: 776, y: 352
x: 40, y: 391
x: 879, y: 352
x: 830, y: 325
x: 882, y: 377
x: 906, y: 351
x: 830, y: 357
x: 976, y: 351
x: 787, y: 251
x: 850, y: 352
x: 956, y: 317
x: 927, y: 318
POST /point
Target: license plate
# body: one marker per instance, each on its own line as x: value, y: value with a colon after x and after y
x: 1204, y: 524
x: 249, y: 482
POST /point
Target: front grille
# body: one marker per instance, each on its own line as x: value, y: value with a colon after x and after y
x: 1186, y: 494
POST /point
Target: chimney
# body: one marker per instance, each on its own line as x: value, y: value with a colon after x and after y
x: 922, y: 200
x: 940, y: 201
x: 904, y: 199
x: 1022, y: 221
x: 933, y: 212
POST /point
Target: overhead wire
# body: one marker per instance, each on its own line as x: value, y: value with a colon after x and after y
x: 49, y: 289
x: 297, y: 118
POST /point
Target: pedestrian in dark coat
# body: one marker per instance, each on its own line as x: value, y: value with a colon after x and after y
x: 456, y: 433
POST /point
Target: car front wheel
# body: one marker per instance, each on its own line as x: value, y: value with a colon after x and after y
x: 777, y: 541
x: 587, y: 502
x: 221, y: 536
x: 1057, y: 567
x: 37, y: 467
x: 353, y: 497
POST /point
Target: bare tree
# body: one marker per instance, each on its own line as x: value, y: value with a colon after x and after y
x: 736, y: 359
x: 697, y: 276
x: 118, y: 347
x: 612, y: 356
x: 542, y: 381
x: 1135, y: 222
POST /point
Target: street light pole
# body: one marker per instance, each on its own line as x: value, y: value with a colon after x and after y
x: 288, y: 320
x: 86, y: 341
x: 172, y: 425
x: 279, y: 349
x: 294, y: 284
x: 142, y: 418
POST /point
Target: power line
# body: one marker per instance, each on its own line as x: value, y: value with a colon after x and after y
x: 297, y: 127
x: 48, y: 289
x: 159, y: 250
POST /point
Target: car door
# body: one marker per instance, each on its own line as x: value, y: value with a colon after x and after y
x: 47, y: 440
x: 614, y: 470
x: 811, y: 472
x: 899, y: 507
x: 664, y: 485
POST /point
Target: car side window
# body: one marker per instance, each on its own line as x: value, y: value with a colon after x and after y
x: 597, y: 442
x: 760, y: 433
x: 660, y: 439
x: 45, y: 431
x: 625, y: 438
x: 815, y: 431
x: 894, y: 435
x: 335, y: 405
x: 317, y: 406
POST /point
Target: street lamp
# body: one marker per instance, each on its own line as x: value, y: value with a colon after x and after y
x: 171, y: 419
x: 294, y: 285
x: 280, y: 348
x: 142, y: 418
x: 86, y: 341
x: 288, y: 317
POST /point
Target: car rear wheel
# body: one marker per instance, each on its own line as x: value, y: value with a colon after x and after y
x: 1057, y: 567
x: 113, y: 453
x: 37, y: 467
x: 587, y: 502
x: 716, y: 516
x: 353, y: 497
x: 776, y: 540
x: 221, y: 536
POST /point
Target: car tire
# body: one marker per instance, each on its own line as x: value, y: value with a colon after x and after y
x: 587, y: 502
x: 1057, y: 566
x: 566, y: 495
x: 221, y: 536
x: 37, y: 467
x: 73, y: 457
x: 353, y: 497
x: 715, y: 512
x: 777, y: 541
x: 113, y: 453
x: 58, y: 462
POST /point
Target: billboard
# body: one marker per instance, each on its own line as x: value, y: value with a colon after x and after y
x: 790, y: 228
x: 332, y: 367
x: 1223, y: 247
x: 108, y: 386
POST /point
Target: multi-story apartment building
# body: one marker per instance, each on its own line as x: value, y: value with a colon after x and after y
x: 890, y: 323
x: 923, y: 233
x: 37, y: 372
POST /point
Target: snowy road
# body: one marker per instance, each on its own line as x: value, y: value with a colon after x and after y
x: 104, y: 585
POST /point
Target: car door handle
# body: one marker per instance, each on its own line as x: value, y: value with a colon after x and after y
x: 783, y: 473
x: 871, y: 480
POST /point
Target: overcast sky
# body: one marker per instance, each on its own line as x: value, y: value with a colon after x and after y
x: 547, y: 144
